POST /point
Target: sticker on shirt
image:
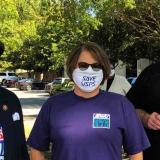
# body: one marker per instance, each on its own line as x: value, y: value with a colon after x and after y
x: 16, y: 116
x: 101, y: 120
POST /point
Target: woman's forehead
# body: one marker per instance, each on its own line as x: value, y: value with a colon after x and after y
x: 86, y: 56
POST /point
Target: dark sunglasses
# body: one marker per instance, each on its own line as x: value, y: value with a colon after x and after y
x: 84, y: 66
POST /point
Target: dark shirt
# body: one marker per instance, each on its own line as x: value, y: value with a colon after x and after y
x: 145, y: 93
x: 88, y: 129
x: 11, y: 122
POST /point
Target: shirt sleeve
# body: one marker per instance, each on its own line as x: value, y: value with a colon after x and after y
x: 40, y: 134
x: 19, y: 127
x: 135, y: 139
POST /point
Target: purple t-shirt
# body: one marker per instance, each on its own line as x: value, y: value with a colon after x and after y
x: 88, y: 129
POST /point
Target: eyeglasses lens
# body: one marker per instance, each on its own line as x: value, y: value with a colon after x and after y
x: 84, y: 66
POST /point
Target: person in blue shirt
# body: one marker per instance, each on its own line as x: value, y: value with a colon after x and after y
x: 87, y: 123
x: 12, y: 136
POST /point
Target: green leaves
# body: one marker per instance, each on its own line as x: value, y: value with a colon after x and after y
x: 130, y: 29
x: 16, y: 25
x: 39, y: 34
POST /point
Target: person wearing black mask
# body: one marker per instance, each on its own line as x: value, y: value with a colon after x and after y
x: 12, y: 136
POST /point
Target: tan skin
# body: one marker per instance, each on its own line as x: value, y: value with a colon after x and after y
x: 85, y: 56
x: 150, y: 121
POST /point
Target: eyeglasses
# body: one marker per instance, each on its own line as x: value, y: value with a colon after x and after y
x: 84, y: 66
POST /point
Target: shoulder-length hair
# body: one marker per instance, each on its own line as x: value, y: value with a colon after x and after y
x: 95, y: 50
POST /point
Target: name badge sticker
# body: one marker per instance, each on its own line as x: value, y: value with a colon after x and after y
x: 16, y: 116
x: 101, y: 120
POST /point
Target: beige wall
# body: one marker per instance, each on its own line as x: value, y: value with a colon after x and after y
x: 120, y: 69
x: 141, y: 64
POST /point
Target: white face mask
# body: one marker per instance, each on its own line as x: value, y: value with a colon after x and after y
x: 87, y: 80
x: 112, y: 73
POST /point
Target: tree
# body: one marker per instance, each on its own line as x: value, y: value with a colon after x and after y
x: 62, y: 25
x: 145, y: 23
x: 39, y: 34
x: 130, y: 30
x: 113, y: 35
x: 17, y: 22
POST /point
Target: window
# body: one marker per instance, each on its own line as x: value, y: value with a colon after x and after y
x: 57, y: 81
x: 2, y: 74
x: 12, y: 74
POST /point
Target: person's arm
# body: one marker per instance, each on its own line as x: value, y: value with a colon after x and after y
x: 135, y: 138
x: 151, y: 121
x: 19, y: 128
x: 138, y: 156
x: 36, y: 154
x: 39, y: 138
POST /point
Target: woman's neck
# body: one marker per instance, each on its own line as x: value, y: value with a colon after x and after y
x: 83, y: 94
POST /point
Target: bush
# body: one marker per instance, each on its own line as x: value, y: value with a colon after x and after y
x: 64, y: 87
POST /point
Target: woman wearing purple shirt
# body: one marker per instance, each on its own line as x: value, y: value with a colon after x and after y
x: 87, y: 123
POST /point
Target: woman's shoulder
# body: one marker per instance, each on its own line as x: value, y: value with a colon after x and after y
x: 6, y: 93
x: 115, y: 98
x: 60, y: 97
x: 112, y: 95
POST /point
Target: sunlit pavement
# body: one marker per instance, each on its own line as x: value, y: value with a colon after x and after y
x: 31, y: 102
